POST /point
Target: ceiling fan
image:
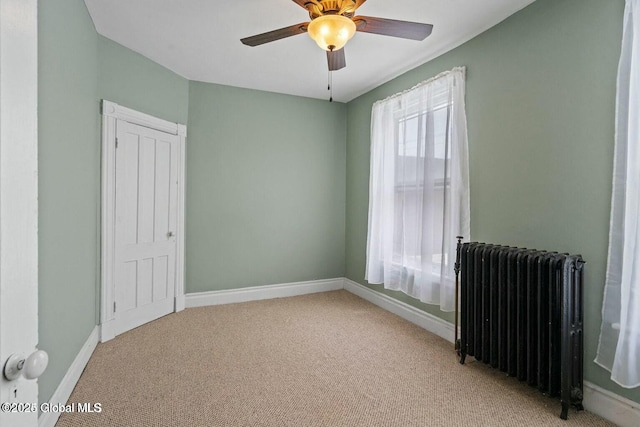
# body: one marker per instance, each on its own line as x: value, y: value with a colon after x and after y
x: 333, y: 23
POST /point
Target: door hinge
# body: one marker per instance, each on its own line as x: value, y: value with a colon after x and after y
x: 116, y: 142
x: 114, y: 306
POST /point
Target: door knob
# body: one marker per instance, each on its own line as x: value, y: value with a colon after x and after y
x: 31, y: 367
x: 170, y: 234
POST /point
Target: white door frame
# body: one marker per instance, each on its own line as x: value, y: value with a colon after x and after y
x: 110, y: 113
x: 18, y: 198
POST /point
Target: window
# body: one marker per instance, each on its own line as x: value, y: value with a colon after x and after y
x: 412, y: 157
x: 418, y: 195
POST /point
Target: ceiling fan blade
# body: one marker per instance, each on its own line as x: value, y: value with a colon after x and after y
x: 392, y: 27
x: 274, y: 35
x: 336, y: 59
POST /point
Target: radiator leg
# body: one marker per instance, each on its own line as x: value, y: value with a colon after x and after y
x: 565, y: 411
x: 461, y: 353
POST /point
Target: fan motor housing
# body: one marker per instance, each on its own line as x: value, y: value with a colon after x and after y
x: 331, y: 7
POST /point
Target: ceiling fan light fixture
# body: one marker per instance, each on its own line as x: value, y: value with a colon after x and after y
x: 331, y: 32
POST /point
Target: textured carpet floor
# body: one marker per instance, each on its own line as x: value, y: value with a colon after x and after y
x: 328, y: 359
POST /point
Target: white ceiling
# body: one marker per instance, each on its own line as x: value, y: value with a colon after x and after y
x: 200, y: 40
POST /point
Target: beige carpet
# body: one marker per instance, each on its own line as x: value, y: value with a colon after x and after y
x: 329, y: 359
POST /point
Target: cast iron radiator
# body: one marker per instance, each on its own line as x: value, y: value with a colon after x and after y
x: 521, y: 312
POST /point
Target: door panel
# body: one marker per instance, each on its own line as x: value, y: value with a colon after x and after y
x: 146, y: 214
x: 163, y: 191
x: 127, y: 188
x: 145, y: 282
x: 161, y: 272
x: 127, y: 297
x: 146, y: 185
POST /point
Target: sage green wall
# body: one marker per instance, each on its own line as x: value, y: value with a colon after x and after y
x: 540, y: 107
x: 69, y: 191
x: 77, y: 68
x: 134, y: 81
x: 265, y: 188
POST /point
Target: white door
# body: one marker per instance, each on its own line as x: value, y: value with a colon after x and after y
x: 146, y: 191
x: 18, y: 201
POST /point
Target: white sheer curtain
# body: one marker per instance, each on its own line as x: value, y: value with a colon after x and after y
x: 419, y: 189
x: 619, y: 346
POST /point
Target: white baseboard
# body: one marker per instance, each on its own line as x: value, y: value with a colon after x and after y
x: 107, y: 331
x: 69, y: 381
x: 179, y: 303
x: 613, y: 407
x: 255, y: 293
x: 608, y: 405
x: 426, y: 321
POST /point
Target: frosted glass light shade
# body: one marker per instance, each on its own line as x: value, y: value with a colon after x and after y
x: 331, y: 32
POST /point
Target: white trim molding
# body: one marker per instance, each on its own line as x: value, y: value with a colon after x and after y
x: 613, y: 407
x: 109, y: 118
x: 414, y: 315
x: 255, y: 293
x: 111, y: 112
x: 69, y: 381
x: 426, y: 321
x: 181, y: 227
x: 602, y: 402
x: 118, y: 112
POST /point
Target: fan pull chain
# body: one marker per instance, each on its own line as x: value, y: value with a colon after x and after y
x: 330, y: 86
